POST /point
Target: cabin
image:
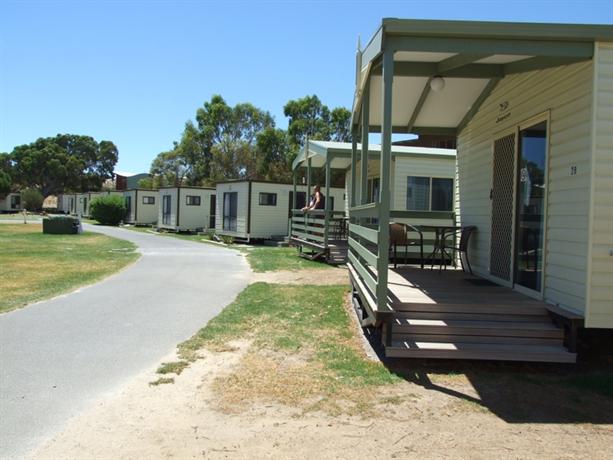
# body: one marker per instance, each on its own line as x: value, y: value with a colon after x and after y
x: 423, y: 194
x: 83, y: 200
x: 142, y: 206
x: 186, y: 209
x: 66, y: 203
x: 260, y: 210
x: 531, y: 106
x: 11, y: 203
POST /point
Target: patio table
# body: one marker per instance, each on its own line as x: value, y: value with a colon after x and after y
x: 439, y: 233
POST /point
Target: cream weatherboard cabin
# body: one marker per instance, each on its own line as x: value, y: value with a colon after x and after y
x: 183, y: 209
x: 259, y: 210
x: 532, y: 108
x: 11, y: 203
x: 66, y: 203
x: 82, y: 201
x: 142, y: 206
x: 423, y: 194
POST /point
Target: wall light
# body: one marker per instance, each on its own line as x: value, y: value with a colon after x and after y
x: 437, y: 83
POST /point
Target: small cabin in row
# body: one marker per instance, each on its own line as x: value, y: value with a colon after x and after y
x: 184, y: 209
x: 255, y: 210
x: 11, y: 203
x: 142, y: 206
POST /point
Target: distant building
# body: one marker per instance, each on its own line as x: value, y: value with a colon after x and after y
x: 126, y: 180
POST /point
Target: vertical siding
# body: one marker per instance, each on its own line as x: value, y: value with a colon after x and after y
x: 147, y: 213
x: 267, y: 221
x: 194, y: 217
x: 600, y: 294
x: 566, y: 92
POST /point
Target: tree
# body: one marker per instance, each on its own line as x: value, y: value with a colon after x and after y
x: 340, y: 121
x: 5, y: 175
x: 308, y: 117
x: 171, y: 167
x: 64, y: 162
x: 32, y: 199
x: 272, y: 159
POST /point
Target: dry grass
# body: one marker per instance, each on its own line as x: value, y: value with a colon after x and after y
x: 302, y: 351
x: 35, y: 266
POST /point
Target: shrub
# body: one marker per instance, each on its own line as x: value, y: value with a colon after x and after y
x: 32, y: 199
x: 108, y: 210
x: 61, y: 225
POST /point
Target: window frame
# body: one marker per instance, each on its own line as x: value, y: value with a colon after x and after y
x: 193, y: 200
x: 430, y: 194
x: 262, y: 194
x: 150, y: 199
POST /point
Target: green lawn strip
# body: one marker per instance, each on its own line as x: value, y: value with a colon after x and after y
x: 267, y: 259
x: 261, y: 258
x: 35, y: 266
x: 306, y: 320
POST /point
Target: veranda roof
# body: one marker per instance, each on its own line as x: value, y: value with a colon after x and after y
x: 340, y: 153
x: 471, y: 57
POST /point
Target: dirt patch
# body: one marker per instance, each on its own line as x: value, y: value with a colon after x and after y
x: 183, y: 420
x: 326, y: 276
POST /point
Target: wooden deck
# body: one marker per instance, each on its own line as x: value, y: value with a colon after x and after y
x: 454, y: 315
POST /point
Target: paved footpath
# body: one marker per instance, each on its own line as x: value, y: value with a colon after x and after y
x: 57, y: 357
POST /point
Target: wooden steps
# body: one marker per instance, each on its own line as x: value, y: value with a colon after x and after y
x: 504, y: 330
x: 481, y: 351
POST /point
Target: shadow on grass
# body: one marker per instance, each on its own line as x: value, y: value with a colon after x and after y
x: 522, y: 392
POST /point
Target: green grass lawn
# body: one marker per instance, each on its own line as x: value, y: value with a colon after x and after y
x: 261, y: 258
x: 34, y: 266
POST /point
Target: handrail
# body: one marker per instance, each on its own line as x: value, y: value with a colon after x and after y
x: 364, y: 207
x: 422, y: 214
x: 316, y: 212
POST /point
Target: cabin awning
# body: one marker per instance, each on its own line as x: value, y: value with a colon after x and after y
x: 444, y: 70
x: 339, y: 153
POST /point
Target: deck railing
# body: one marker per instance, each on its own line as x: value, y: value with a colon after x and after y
x: 364, y: 252
x: 311, y: 227
x: 366, y: 255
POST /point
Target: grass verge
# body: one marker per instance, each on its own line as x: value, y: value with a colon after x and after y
x: 303, y: 351
x: 261, y: 258
x: 35, y: 266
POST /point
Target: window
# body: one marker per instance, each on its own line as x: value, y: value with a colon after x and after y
x: 15, y: 201
x: 268, y: 199
x: 429, y: 194
x: 442, y: 194
x: 192, y: 200
x: 148, y: 200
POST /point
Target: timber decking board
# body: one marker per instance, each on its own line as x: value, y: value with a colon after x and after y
x: 487, y: 351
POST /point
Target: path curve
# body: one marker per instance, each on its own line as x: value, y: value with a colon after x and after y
x: 57, y: 357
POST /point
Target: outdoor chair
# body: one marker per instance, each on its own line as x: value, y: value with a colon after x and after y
x: 457, y: 241
x: 399, y: 236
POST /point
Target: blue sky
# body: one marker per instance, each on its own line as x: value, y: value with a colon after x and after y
x: 134, y: 72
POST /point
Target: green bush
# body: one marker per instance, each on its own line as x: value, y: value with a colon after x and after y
x: 108, y: 210
x: 32, y: 199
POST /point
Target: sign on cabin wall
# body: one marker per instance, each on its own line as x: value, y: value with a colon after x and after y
x: 504, y: 112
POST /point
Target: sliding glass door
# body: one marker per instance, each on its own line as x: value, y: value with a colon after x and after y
x: 530, y: 210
